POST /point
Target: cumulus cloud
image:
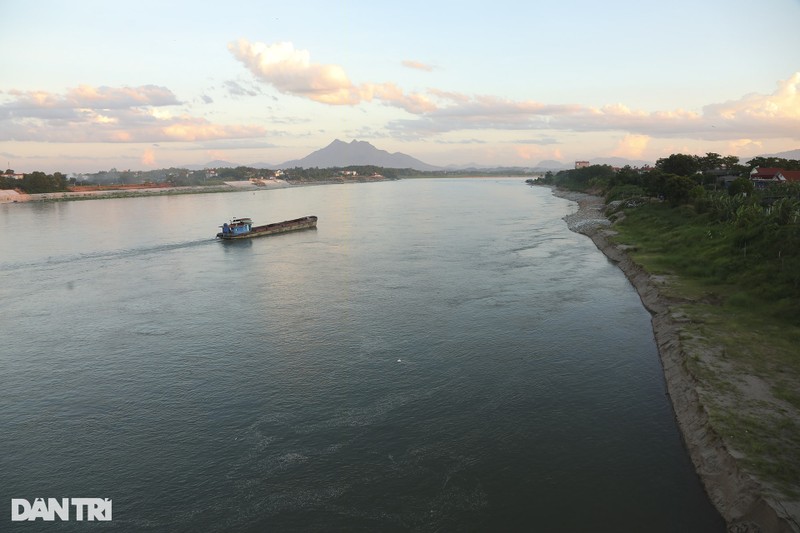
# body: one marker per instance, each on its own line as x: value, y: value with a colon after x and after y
x: 775, y: 115
x: 106, y: 114
x: 772, y: 115
x: 291, y: 71
x: 149, y: 157
x: 435, y: 111
x: 631, y: 146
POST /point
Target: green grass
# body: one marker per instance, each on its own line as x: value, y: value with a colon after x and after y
x: 777, y: 458
x: 744, y: 313
x: 714, y: 256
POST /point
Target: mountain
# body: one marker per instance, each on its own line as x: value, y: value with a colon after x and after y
x: 262, y: 165
x: 552, y: 164
x: 619, y: 162
x: 611, y: 161
x: 217, y: 163
x: 791, y: 154
x: 342, y: 154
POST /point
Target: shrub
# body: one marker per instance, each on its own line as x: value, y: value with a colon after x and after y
x: 622, y: 192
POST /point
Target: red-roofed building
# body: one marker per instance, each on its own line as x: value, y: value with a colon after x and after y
x: 791, y: 175
x: 764, y: 177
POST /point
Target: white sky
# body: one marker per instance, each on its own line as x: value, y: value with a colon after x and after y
x: 90, y: 85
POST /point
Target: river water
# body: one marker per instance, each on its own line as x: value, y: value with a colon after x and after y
x: 438, y: 355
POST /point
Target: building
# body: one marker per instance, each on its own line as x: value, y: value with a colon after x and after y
x: 764, y: 177
x: 581, y: 164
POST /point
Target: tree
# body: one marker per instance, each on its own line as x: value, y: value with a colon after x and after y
x: 678, y: 189
x: 740, y: 186
x: 39, y: 182
x: 730, y: 162
x: 679, y: 164
x: 710, y: 161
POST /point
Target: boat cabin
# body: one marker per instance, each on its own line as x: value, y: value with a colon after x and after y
x: 237, y: 226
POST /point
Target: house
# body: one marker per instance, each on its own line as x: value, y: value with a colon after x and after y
x: 766, y: 173
x: 791, y: 176
x: 581, y: 164
x: 764, y: 177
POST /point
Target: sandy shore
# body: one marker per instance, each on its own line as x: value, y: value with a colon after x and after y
x: 231, y: 186
x: 744, y: 502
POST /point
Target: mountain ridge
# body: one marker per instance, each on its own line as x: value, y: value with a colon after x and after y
x: 362, y: 153
x: 341, y: 154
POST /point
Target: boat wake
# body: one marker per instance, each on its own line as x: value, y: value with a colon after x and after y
x: 104, y: 255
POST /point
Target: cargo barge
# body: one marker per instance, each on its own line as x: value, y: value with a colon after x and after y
x: 242, y: 228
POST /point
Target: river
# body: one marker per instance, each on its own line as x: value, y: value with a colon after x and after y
x: 438, y: 355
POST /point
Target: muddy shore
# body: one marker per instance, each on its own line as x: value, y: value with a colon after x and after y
x: 743, y: 501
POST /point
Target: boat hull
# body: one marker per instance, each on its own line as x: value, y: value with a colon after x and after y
x: 309, y: 222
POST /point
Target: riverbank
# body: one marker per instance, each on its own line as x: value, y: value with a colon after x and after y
x: 747, y: 503
x: 231, y: 186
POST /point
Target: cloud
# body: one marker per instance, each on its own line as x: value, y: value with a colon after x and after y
x: 772, y: 115
x: 149, y: 157
x: 84, y: 97
x: 631, y: 146
x: 541, y: 141
x: 437, y: 111
x: 418, y: 65
x: 107, y: 115
x: 291, y: 71
x: 199, y: 129
x: 775, y: 115
x: 237, y: 89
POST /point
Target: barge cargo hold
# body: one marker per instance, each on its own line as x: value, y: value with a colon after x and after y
x: 242, y: 228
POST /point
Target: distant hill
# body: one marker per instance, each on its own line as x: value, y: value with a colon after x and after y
x: 217, y: 163
x: 791, y: 154
x: 620, y: 162
x: 611, y: 161
x: 262, y: 165
x: 551, y: 164
x: 354, y: 153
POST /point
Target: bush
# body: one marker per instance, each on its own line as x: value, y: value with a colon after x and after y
x: 677, y: 189
x: 700, y: 199
x: 622, y: 192
x: 741, y: 186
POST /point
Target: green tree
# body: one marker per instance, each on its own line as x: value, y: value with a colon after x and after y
x: 741, y: 186
x: 39, y: 182
x: 36, y: 182
x: 731, y: 162
x: 679, y: 164
x: 678, y: 188
x: 710, y: 161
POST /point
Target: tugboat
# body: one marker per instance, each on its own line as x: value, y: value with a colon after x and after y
x: 242, y: 228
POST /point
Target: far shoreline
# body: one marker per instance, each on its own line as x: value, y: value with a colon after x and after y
x: 104, y: 194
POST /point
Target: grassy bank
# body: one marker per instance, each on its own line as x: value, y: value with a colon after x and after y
x: 735, y: 292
